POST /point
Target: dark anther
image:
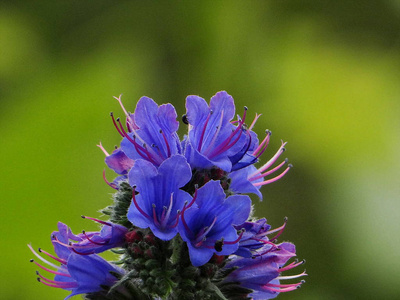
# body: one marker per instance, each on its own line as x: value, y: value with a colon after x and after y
x: 218, y: 245
x: 185, y: 119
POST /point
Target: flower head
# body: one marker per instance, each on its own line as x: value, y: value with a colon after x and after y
x: 207, y: 226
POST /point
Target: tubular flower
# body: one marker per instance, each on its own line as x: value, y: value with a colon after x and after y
x: 159, y: 199
x: 110, y: 236
x: 180, y: 219
x: 262, y: 274
x: 77, y: 273
x: 207, y: 225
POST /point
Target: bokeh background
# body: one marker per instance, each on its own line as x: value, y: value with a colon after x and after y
x: 324, y: 74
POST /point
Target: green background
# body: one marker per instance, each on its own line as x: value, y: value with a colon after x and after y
x: 324, y: 74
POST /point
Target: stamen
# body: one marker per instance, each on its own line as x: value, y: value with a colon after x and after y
x: 115, y: 124
x: 292, y: 277
x: 166, y: 143
x: 53, y: 281
x: 264, y: 143
x: 58, y: 285
x: 275, y: 178
x: 63, y: 261
x: 49, y: 270
x: 203, y: 233
x: 102, y: 149
x: 137, y: 206
x: 291, y: 266
x: 254, y: 121
x: 215, y: 134
x: 155, y: 215
x: 111, y: 184
x: 270, y: 162
x: 93, y: 242
x: 96, y: 220
x: 165, y: 218
x: 202, y: 133
x: 41, y: 258
x: 237, y: 240
x: 270, y: 171
x: 226, y: 144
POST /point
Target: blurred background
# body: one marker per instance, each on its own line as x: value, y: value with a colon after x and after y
x: 324, y: 74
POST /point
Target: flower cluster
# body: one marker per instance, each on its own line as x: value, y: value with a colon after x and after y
x: 181, y: 221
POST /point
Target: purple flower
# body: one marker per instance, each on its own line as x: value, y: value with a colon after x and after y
x: 253, y: 238
x: 79, y: 274
x: 207, y: 224
x: 212, y: 139
x: 159, y: 200
x: 250, y: 179
x: 110, y: 236
x: 262, y: 273
x: 151, y: 132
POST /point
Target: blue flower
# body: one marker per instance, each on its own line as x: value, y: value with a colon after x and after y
x: 207, y: 225
x: 160, y: 200
x: 262, y: 273
x: 151, y: 132
x: 212, y: 138
x: 110, y: 236
x: 250, y: 179
x: 79, y: 274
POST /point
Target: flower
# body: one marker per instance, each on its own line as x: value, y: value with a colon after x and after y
x: 262, y: 273
x: 212, y: 139
x: 151, y: 132
x: 159, y: 197
x: 207, y: 224
x: 80, y: 274
x: 110, y: 236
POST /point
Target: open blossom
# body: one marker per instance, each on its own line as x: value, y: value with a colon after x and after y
x: 207, y: 226
x: 159, y: 197
x: 151, y: 132
x: 180, y: 218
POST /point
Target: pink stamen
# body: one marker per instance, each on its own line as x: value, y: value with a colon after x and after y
x: 102, y: 149
x: 112, y: 185
x: 269, y: 172
x: 265, y: 182
x: 270, y: 162
x: 202, y: 133
x: 201, y: 236
x: 226, y: 144
x: 97, y: 220
x: 137, y: 206
x: 115, y: 124
x: 263, y: 144
x: 63, y: 261
x: 237, y: 240
x: 165, y: 217
x: 166, y: 143
x: 291, y: 266
x: 53, y: 281
x: 254, y: 121
x: 93, y: 242
x: 41, y: 258
x: 292, y: 277
x: 58, y: 285
x: 155, y: 215
x: 215, y: 134
x: 49, y: 270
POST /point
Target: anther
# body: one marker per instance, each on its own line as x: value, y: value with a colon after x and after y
x: 31, y: 260
x: 290, y: 165
x: 185, y: 119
